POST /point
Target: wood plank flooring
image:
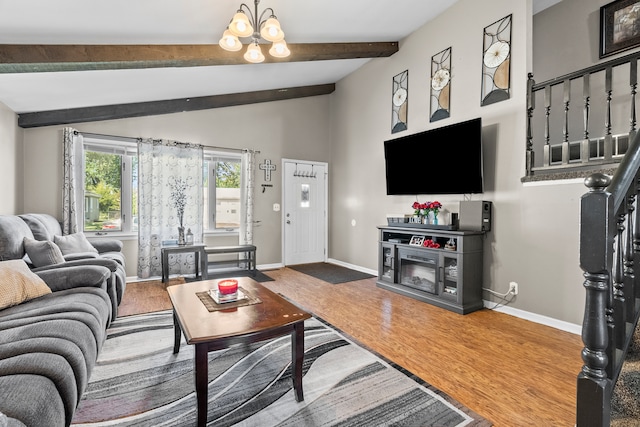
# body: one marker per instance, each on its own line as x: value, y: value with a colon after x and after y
x: 509, y: 370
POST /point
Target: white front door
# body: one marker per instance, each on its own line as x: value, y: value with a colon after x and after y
x: 304, y: 212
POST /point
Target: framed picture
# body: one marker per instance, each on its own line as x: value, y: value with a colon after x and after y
x: 619, y: 26
x: 496, y: 62
x: 440, y: 84
x: 416, y: 240
x: 399, y: 102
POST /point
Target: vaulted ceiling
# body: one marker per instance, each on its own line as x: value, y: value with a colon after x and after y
x: 69, y: 61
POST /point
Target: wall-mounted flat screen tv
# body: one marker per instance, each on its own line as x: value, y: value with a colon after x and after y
x: 445, y: 160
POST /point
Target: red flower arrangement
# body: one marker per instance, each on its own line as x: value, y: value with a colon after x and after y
x: 428, y: 243
x: 422, y: 209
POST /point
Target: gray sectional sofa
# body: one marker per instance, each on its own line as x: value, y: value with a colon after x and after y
x: 58, y: 294
x: 37, y: 237
x: 49, y: 342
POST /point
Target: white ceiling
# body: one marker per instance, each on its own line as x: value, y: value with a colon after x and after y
x: 190, y: 22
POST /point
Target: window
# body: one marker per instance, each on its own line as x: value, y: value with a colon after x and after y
x: 222, y: 199
x: 110, y: 188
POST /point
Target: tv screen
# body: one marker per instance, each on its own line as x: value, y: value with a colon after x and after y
x: 446, y: 160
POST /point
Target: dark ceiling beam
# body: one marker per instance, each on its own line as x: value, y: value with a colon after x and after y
x: 22, y: 58
x: 140, y: 109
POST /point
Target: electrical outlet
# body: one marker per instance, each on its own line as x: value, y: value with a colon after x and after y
x: 513, y: 288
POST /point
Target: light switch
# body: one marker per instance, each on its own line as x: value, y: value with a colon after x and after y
x: 276, y: 207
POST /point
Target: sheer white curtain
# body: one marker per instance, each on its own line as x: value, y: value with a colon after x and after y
x: 248, y: 183
x: 72, y: 178
x: 169, y: 190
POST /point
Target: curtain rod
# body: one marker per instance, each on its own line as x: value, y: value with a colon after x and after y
x: 242, y: 150
x: 99, y: 135
x: 129, y: 139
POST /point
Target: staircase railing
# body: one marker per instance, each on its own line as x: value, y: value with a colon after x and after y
x: 576, y: 150
x: 610, y: 259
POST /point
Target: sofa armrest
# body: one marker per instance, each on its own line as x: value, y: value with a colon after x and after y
x: 103, y: 262
x: 59, y: 279
x: 81, y: 255
x: 107, y: 245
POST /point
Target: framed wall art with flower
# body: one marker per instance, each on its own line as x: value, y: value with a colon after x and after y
x: 440, y: 84
x: 619, y: 26
x: 399, y: 102
x: 496, y: 62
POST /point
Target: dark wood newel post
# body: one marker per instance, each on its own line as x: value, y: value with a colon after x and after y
x: 597, y: 225
x: 531, y: 106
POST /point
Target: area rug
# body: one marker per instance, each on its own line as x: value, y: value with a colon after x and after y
x: 330, y: 273
x: 138, y: 381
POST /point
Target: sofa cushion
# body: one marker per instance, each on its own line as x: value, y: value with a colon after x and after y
x: 42, y: 252
x: 19, y: 284
x: 73, y: 243
x: 13, y: 230
x: 43, y: 226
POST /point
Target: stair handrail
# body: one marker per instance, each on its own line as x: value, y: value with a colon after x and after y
x: 565, y: 80
x: 609, y: 244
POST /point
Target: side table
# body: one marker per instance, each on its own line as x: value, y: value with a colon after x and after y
x: 197, y: 249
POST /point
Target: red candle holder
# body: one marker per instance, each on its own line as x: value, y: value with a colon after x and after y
x: 226, y: 287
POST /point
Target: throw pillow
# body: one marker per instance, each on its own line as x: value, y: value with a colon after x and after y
x: 42, y: 252
x: 19, y: 284
x: 73, y: 243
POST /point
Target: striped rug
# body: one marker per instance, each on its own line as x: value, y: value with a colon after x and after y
x: 138, y: 381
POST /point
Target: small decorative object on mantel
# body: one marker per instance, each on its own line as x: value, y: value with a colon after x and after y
x: 430, y: 243
x: 422, y: 210
x: 416, y: 241
x: 496, y: 60
x: 189, y: 239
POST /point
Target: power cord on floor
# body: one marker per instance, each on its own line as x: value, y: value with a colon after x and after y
x: 502, y: 297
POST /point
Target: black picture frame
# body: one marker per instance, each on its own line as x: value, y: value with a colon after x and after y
x: 619, y: 26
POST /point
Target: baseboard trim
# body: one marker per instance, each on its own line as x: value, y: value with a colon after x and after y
x: 522, y: 314
x: 352, y: 267
x: 537, y: 318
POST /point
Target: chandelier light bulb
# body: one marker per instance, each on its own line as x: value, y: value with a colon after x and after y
x: 254, y: 53
x: 279, y: 49
x: 271, y: 30
x: 230, y: 42
x: 240, y: 25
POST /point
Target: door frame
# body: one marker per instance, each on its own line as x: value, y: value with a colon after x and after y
x: 326, y: 206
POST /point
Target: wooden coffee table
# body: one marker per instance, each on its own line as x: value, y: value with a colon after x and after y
x: 215, y: 330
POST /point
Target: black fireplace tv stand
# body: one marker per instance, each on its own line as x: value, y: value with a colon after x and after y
x: 440, y: 267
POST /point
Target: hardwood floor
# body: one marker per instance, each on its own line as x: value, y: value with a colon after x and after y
x: 509, y: 370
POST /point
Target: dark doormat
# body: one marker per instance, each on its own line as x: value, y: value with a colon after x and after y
x: 331, y: 273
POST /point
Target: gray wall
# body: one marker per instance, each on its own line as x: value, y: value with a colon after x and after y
x: 534, y: 239
x: 295, y: 129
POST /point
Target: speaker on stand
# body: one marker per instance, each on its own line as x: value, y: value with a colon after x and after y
x: 475, y: 215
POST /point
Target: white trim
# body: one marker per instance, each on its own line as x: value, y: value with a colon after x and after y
x: 537, y: 318
x: 553, y: 182
x: 265, y: 267
x: 353, y: 267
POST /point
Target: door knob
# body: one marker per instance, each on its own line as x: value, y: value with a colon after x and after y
x: 288, y: 222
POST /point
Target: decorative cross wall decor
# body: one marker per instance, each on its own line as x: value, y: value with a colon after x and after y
x: 267, y: 167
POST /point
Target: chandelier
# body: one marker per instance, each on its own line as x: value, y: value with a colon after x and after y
x: 247, y: 24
